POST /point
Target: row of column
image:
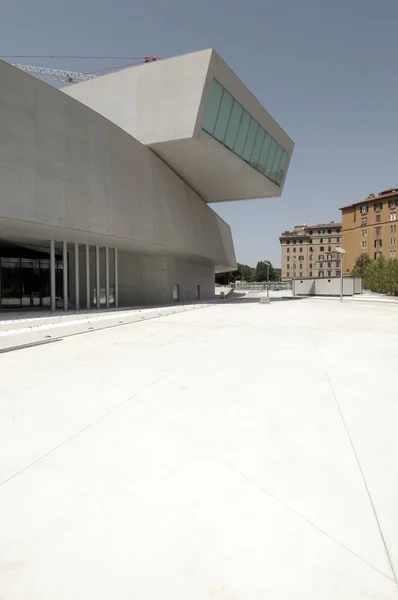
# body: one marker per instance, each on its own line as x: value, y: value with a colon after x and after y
x: 77, y: 275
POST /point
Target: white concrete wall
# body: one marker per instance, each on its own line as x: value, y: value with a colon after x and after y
x: 163, y: 104
x: 68, y: 173
x: 143, y: 280
x: 325, y: 286
x: 154, y: 102
x: 150, y: 280
x: 164, y: 101
x: 358, y: 285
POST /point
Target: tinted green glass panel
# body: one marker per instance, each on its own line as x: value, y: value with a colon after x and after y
x: 223, y: 116
x: 264, y: 152
x: 212, y: 107
x: 270, y: 157
x: 277, y: 160
x: 282, y: 166
x: 258, y: 144
x: 233, y: 125
x: 242, y: 133
x: 251, y: 137
x: 228, y: 122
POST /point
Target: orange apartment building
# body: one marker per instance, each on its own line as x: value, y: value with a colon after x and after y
x: 308, y: 251
x: 369, y: 227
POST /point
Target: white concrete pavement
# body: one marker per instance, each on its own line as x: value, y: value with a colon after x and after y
x: 242, y: 451
x: 41, y: 329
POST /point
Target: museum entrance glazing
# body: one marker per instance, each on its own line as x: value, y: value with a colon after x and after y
x: 25, y: 277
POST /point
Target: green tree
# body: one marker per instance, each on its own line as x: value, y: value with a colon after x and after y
x: 361, y: 264
x: 245, y: 273
x: 392, y: 276
x: 378, y: 275
x: 260, y: 273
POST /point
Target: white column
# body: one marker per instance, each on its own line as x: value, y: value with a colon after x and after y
x: 97, y: 276
x: 77, y: 282
x: 65, y: 273
x: 116, y: 256
x: 107, y: 275
x: 88, y: 286
x: 52, y: 275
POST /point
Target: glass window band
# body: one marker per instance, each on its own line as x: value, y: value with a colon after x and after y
x: 230, y: 124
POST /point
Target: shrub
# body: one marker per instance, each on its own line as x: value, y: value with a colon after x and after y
x: 378, y: 275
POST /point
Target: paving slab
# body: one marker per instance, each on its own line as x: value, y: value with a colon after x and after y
x: 242, y: 451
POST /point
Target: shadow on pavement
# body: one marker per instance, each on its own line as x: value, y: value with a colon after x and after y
x: 244, y: 299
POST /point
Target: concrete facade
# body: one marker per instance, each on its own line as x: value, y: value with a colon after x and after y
x: 69, y: 175
x: 162, y: 104
x: 165, y: 272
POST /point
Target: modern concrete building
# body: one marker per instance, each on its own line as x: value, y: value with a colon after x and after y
x: 104, y: 186
x: 369, y: 227
x: 308, y: 251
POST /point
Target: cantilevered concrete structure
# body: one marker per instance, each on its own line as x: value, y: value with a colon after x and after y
x: 104, y: 186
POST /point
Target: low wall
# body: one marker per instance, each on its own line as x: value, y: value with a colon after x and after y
x: 328, y: 286
x: 357, y: 285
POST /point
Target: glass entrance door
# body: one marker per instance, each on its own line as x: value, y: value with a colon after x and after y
x: 10, y: 282
x: 25, y: 282
x: 30, y: 282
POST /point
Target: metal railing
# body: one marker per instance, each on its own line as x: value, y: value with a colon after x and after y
x: 263, y: 285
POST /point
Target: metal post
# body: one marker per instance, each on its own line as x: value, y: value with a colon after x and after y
x: 341, y: 277
x: 294, y: 281
x: 65, y: 273
x: 116, y: 257
x: 88, y: 286
x: 52, y: 275
x: 107, y: 276
x: 267, y: 280
x: 97, y: 277
x: 77, y: 282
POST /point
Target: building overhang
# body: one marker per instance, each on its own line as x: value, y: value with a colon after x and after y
x: 67, y: 173
x: 163, y: 104
x: 213, y: 171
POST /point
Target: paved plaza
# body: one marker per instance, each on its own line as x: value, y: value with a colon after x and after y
x: 230, y: 451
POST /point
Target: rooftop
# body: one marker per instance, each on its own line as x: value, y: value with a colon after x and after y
x: 202, y: 448
x: 390, y: 193
x: 325, y: 225
x: 300, y: 230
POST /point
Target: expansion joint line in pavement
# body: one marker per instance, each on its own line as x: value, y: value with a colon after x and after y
x: 87, y: 427
x: 357, y: 461
x: 264, y: 490
x: 97, y: 420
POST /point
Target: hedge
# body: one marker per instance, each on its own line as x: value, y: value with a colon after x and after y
x: 378, y: 275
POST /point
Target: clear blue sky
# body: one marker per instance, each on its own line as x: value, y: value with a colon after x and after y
x: 325, y: 69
